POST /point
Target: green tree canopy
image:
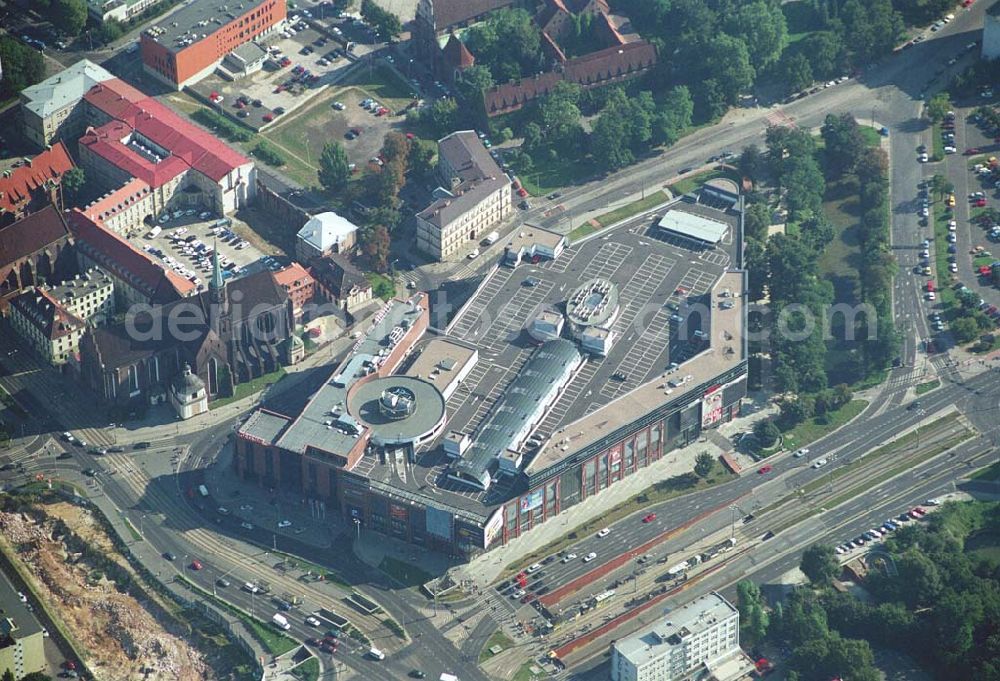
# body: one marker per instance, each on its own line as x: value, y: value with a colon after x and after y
x: 22, y: 66
x: 819, y: 563
x: 383, y: 21
x: 703, y: 464
x: 507, y: 43
x: 334, y: 167
x: 69, y: 15
x: 937, y: 107
x: 761, y: 26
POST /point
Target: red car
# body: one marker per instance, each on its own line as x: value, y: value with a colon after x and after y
x: 196, y: 565
x: 764, y: 470
x: 268, y: 117
x: 649, y: 518
x: 409, y: 135
x: 919, y: 511
x: 522, y: 192
x: 980, y: 203
x: 972, y: 151
x: 966, y: 3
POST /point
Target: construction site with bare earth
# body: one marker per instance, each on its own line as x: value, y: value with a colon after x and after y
x: 101, y: 606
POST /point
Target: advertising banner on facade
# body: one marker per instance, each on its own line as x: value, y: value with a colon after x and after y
x: 439, y: 523
x: 533, y: 500
x: 398, y: 512
x: 494, y: 527
x: 711, y: 408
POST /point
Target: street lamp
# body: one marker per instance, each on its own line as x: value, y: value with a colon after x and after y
x: 357, y: 524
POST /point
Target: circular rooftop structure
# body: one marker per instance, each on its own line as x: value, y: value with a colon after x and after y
x: 398, y: 409
x: 595, y: 303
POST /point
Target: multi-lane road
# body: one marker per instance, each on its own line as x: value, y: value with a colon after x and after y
x: 887, y: 93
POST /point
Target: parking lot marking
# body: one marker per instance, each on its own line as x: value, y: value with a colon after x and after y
x: 557, y: 412
x: 606, y: 261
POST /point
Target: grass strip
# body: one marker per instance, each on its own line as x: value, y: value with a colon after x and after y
x: 927, y: 386
x: 273, y: 641
x: 634, y: 208
x: 307, y: 671
x: 497, y: 639
x: 816, y: 427
x: 988, y: 474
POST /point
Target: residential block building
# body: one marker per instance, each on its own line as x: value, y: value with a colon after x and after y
x: 339, y: 282
x: 33, y: 183
x: 120, y: 10
x: 194, y: 40
x: 323, y: 234
x: 21, y: 637
x: 474, y: 198
x: 89, y: 296
x: 692, y: 642
x: 51, y: 110
x: 300, y: 287
x: 52, y: 331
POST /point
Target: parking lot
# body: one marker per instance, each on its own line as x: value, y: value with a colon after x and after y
x: 184, y: 243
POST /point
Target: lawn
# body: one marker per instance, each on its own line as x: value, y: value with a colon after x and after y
x: 630, y: 209
x: 938, y: 147
x: 990, y: 473
x: 945, y: 294
x: 550, y: 174
x: 524, y: 673
x: 308, y: 670
x: 870, y: 135
x: 689, y: 184
x: 403, y: 572
x: 384, y: 84
x: 927, y: 386
x: 661, y: 491
x: 497, y: 639
x: 296, y: 563
x: 801, y: 18
x: 249, y: 388
x: 382, y: 286
x: 816, y: 427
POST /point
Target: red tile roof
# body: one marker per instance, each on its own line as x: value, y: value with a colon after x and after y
x: 17, y: 187
x: 456, y: 55
x: 119, y: 258
x: 590, y: 70
x: 107, y: 142
x: 293, y: 277
x: 105, y: 207
x: 160, y: 125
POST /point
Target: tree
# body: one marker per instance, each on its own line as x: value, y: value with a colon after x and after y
x: 870, y: 28
x: 73, y: 181
x: 761, y: 26
x: 766, y: 432
x: 472, y: 82
x: 22, y: 66
x: 751, y: 162
x: 965, y: 329
x: 795, y: 72
x: 940, y: 185
x: 385, y: 23
x: 726, y: 60
x: 334, y: 167
x: 703, y: 464
x: 35, y: 676
x: 819, y: 564
x: 8, y: 675
x: 109, y: 31
x: 507, y: 43
x: 609, y: 141
x: 827, y: 55
x: 843, y: 143
x: 69, y: 15
x: 937, y: 107
x: 420, y: 160
x: 756, y: 221
x: 375, y: 244
x: 674, y: 114
x: 560, y: 116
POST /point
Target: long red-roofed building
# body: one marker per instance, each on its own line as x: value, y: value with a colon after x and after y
x: 134, y: 137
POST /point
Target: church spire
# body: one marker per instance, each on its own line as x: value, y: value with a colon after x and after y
x: 217, y: 283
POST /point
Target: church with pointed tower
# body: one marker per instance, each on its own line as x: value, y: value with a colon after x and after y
x: 228, y: 334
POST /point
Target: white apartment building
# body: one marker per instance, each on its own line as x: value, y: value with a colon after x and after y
x: 474, y: 198
x: 700, y: 638
x: 52, y: 320
x: 89, y: 296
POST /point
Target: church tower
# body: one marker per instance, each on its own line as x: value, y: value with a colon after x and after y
x: 217, y: 297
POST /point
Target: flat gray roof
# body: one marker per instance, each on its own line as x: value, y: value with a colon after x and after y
x: 693, y: 618
x: 325, y: 423
x: 693, y: 226
x: 593, y: 303
x: 198, y: 19
x: 12, y: 607
x: 427, y: 413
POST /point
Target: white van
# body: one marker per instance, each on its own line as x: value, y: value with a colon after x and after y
x: 280, y: 621
x: 376, y: 654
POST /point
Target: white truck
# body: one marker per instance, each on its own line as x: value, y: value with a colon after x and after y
x: 280, y: 621
x: 491, y: 238
x: 376, y: 654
